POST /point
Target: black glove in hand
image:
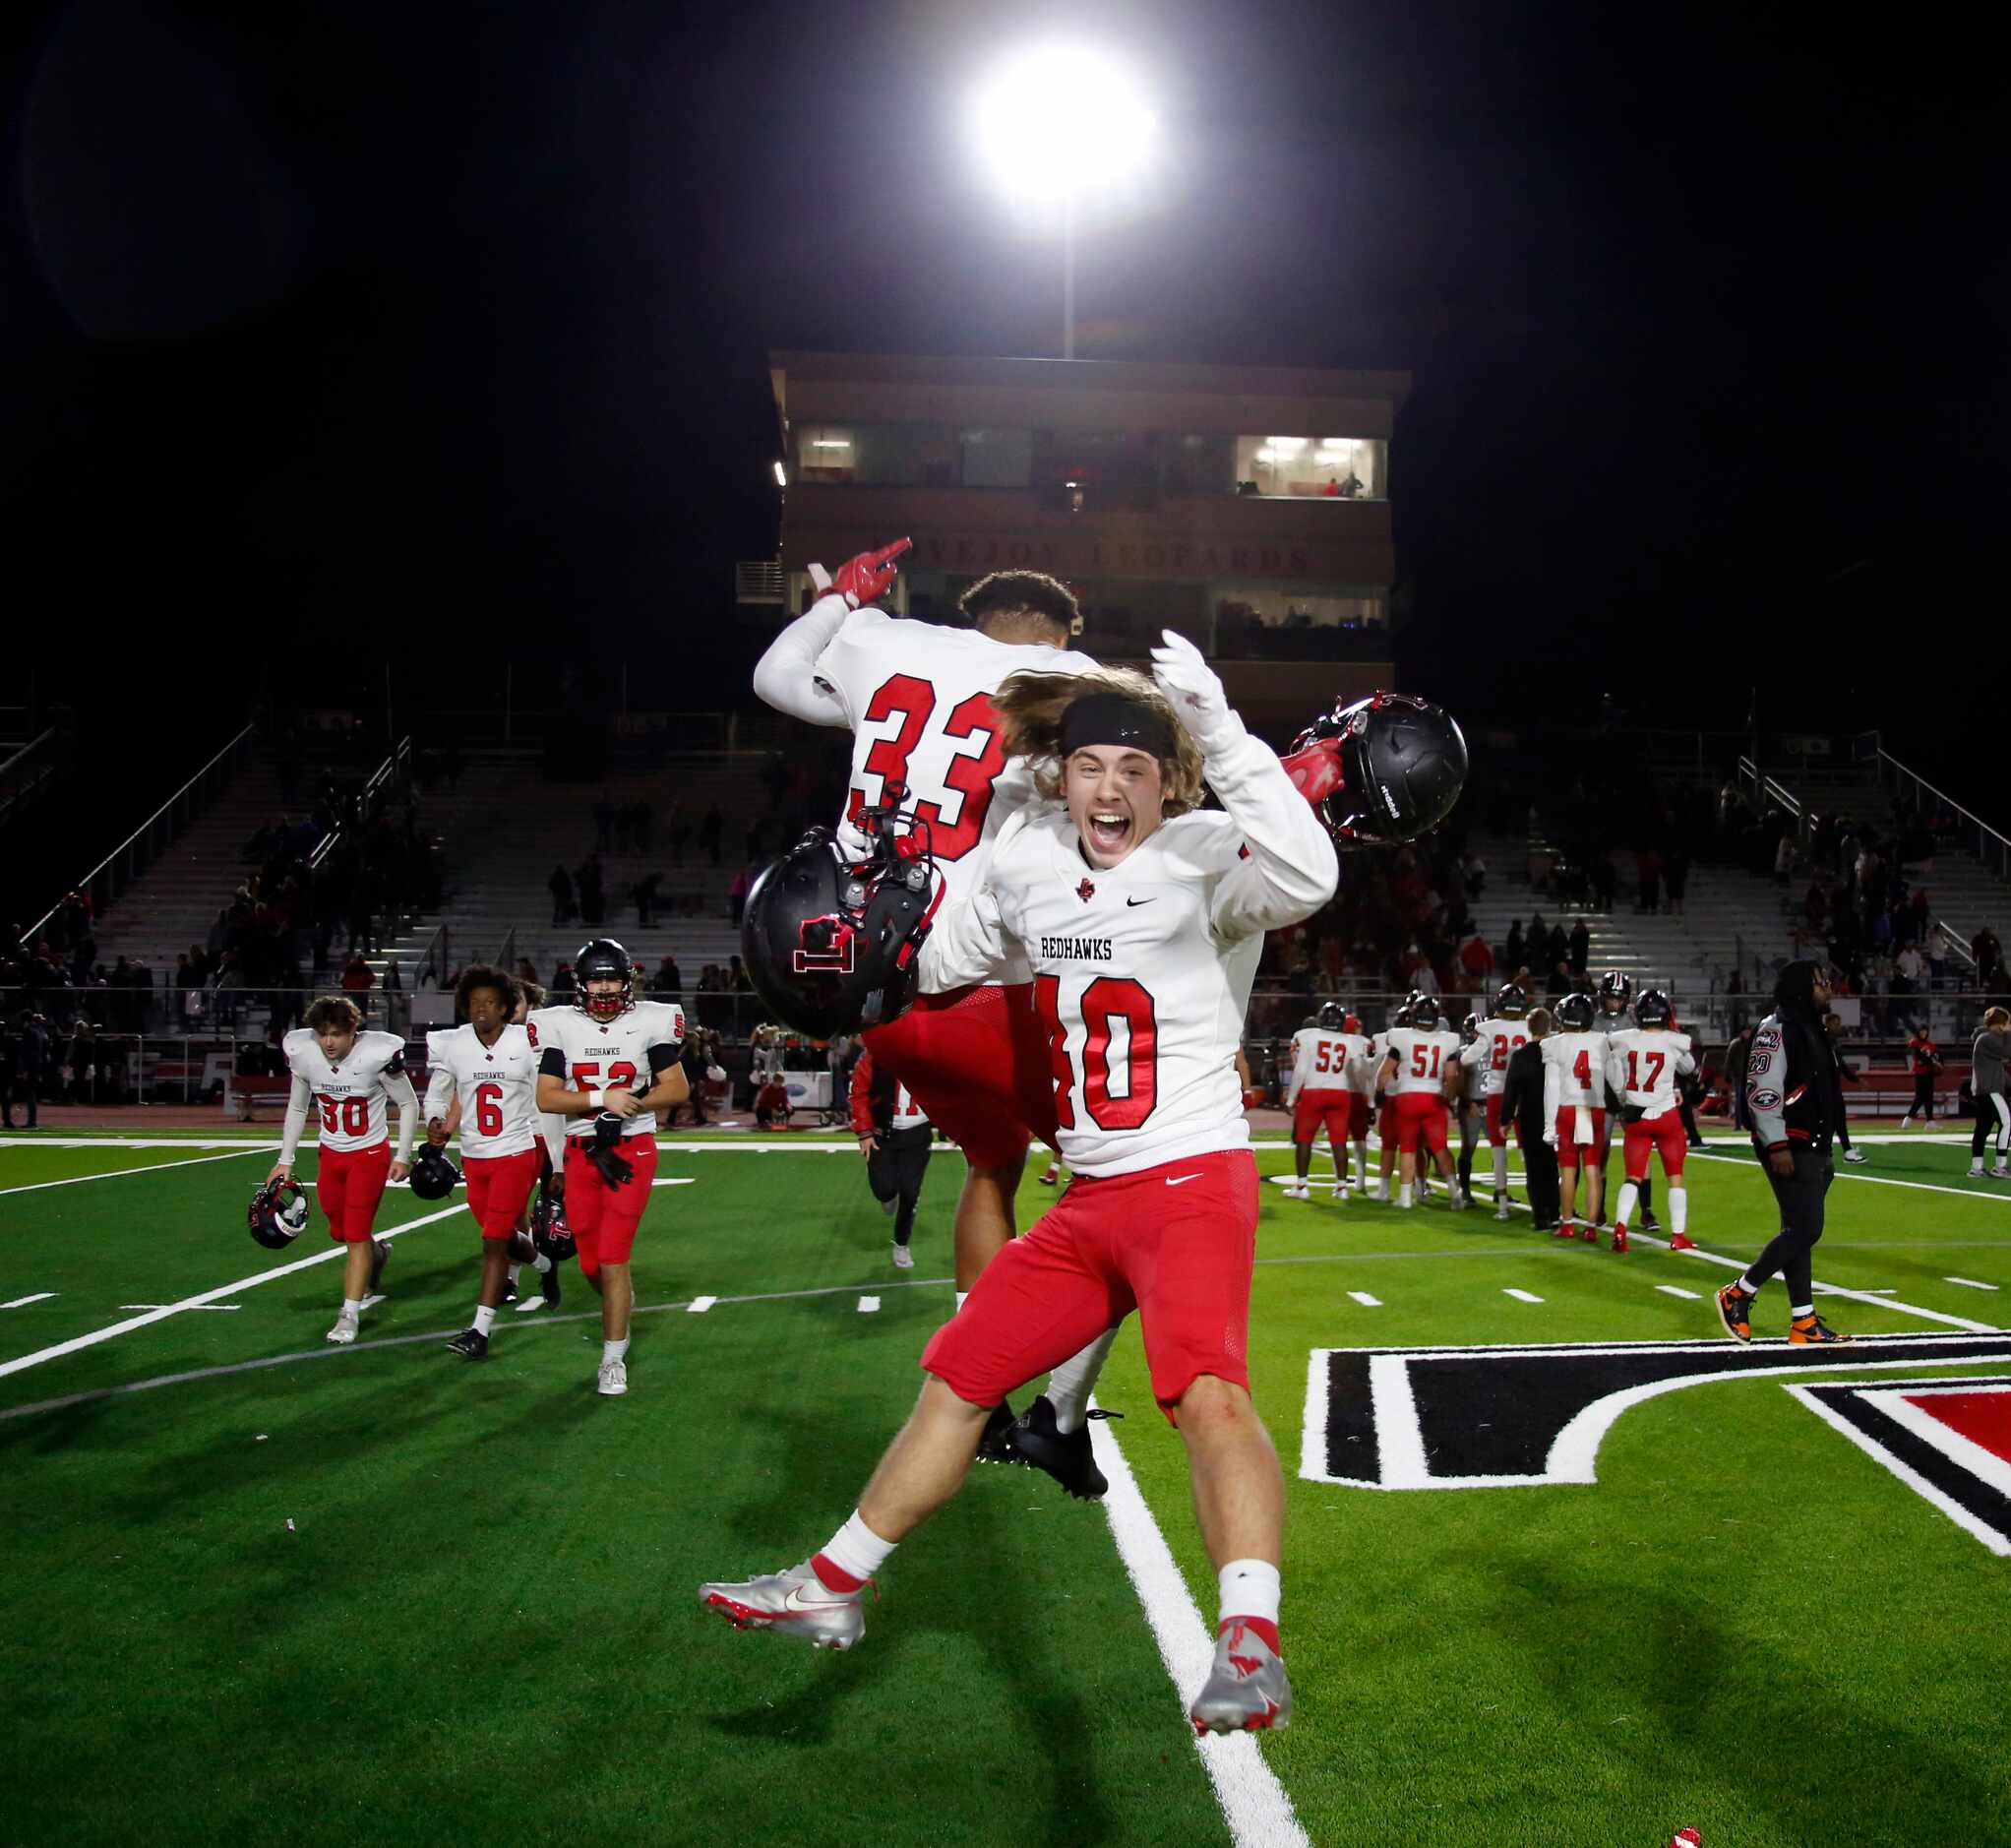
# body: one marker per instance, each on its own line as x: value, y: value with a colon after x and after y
x: 615, y: 1169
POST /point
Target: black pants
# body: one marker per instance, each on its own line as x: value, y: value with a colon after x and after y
x: 1993, y: 1118
x: 1923, y: 1096
x: 895, y: 1172
x: 1687, y: 1111
x: 1540, y: 1175
x: 1468, y: 1144
x: 1800, y: 1198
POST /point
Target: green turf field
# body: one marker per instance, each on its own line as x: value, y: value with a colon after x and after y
x: 263, y: 1587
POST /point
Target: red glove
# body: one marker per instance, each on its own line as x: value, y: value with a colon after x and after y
x: 864, y: 580
x: 1315, y: 771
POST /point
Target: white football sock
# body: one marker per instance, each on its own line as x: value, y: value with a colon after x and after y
x: 1678, y: 1210
x: 541, y: 1264
x: 1746, y: 1285
x: 1801, y: 1309
x: 1625, y: 1211
x: 962, y: 1297
x: 614, y: 1350
x: 1403, y: 1195
x: 352, y: 1307
x: 1249, y: 1588
x: 485, y: 1318
x: 856, y: 1550
x: 1071, y: 1383
x: 1501, y: 1169
x: 516, y: 1271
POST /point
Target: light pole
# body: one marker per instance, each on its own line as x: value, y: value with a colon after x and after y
x: 1058, y: 126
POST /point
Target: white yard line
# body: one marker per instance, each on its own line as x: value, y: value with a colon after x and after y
x: 1969, y: 1283
x: 1878, y: 1180
x: 700, y: 1304
x: 114, y: 1174
x: 1253, y: 1803
x: 1676, y: 1289
x: 1364, y: 1299
x: 21, y: 1301
x: 22, y: 1362
x: 1522, y: 1296
x: 208, y: 1308
x: 869, y: 1305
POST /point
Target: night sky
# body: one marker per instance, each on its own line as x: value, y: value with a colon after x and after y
x: 333, y: 338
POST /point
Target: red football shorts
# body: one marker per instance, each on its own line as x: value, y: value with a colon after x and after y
x: 1569, y: 1148
x: 604, y: 1219
x: 499, y: 1189
x: 1358, y: 1116
x: 1497, y: 1130
x: 1664, y: 1135
x: 975, y: 1061
x: 1421, y: 1118
x: 1333, y: 1109
x: 1174, y: 1242
x: 350, y: 1182
x: 1385, y: 1120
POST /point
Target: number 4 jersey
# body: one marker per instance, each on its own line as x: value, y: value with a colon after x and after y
x: 497, y: 1085
x: 597, y: 1055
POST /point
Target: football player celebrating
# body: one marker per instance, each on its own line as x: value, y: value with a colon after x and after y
x: 1415, y: 1063
x: 895, y: 1137
x: 1321, y: 1095
x: 1642, y: 1066
x: 1574, y: 1106
x: 1615, y: 996
x: 1133, y: 910
x: 1505, y: 1028
x: 348, y: 1077
x: 594, y: 1057
x: 486, y: 1071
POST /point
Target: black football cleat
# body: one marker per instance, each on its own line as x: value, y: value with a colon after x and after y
x: 1070, y: 1459
x: 509, y: 1294
x: 548, y: 1286
x: 995, y: 1445
x: 469, y: 1344
x: 380, y: 1256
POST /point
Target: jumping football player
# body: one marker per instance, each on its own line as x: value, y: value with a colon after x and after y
x: 1415, y: 1063
x: 1642, y: 1067
x: 1130, y: 908
x: 1505, y: 1028
x: 1574, y: 1106
x: 1321, y: 1095
x: 593, y: 1059
x: 348, y: 1077
x: 486, y: 1073
x: 895, y: 1137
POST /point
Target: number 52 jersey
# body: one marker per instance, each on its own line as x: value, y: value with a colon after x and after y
x: 597, y: 1055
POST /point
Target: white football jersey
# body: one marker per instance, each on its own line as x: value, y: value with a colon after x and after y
x: 1642, y: 1065
x: 1320, y: 1059
x: 1578, y: 1062
x: 1143, y: 972
x: 349, y: 1100
x: 1423, y: 1058
x: 595, y: 1056
x: 1490, y: 1053
x: 497, y: 1086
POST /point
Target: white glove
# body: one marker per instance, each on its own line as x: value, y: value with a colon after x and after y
x: 820, y: 580
x: 1195, y: 692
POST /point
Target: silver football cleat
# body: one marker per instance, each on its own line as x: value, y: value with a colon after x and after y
x: 345, y: 1330
x: 614, y: 1379
x: 1246, y: 1690
x: 795, y: 1603
x: 903, y: 1259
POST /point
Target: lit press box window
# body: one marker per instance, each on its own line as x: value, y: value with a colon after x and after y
x: 826, y: 452
x: 1308, y: 467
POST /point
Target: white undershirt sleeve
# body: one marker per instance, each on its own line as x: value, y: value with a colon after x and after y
x: 399, y: 1090
x: 1291, y: 869
x: 296, y: 1120
x: 785, y: 677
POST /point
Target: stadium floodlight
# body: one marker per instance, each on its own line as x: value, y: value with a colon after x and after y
x: 1056, y: 127
x: 781, y: 477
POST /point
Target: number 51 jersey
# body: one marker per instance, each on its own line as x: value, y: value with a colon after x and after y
x: 597, y: 1055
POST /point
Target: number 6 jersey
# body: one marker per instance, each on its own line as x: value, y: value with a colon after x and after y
x: 597, y: 1055
x: 497, y: 1085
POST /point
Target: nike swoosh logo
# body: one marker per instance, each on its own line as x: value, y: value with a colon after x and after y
x: 1129, y: 902
x: 1181, y: 1180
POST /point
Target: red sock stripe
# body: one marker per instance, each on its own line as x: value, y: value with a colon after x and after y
x: 1256, y: 1625
x: 834, y: 1577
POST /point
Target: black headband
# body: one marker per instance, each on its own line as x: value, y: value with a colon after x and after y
x: 1114, y: 718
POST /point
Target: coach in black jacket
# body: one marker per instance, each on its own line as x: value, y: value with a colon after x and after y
x: 1522, y: 1103
x: 1792, y: 1102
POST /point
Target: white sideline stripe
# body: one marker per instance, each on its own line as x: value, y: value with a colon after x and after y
x: 1522, y: 1296
x: 869, y: 1305
x: 21, y: 1301
x: 1364, y: 1299
x: 1676, y: 1289
x: 113, y: 1174
x: 1912, y: 1479
x: 1253, y: 1803
x: 21, y: 1362
x: 212, y: 1309
x: 1882, y: 1180
x: 1969, y: 1283
x: 700, y: 1304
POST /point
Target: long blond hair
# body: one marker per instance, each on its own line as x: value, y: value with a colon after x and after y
x: 1030, y: 707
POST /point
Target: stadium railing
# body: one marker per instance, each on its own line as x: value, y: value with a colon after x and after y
x: 1976, y: 836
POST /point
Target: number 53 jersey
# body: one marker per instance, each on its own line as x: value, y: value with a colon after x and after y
x: 597, y: 1055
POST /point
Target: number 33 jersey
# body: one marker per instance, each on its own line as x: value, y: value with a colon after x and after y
x: 597, y: 1055
x: 497, y: 1085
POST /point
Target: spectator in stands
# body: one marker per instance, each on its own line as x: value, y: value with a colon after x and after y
x: 31, y: 1064
x: 1560, y: 983
x: 1989, y: 955
x: 667, y: 984
x: 559, y: 884
x: 1783, y: 858
x: 1580, y: 947
x: 1648, y: 870
x: 1558, y: 947
x: 736, y: 897
x: 1676, y: 879
x: 357, y: 978
x: 9, y: 1066
x: 711, y: 831
x: 1513, y: 951
x: 643, y: 893
x: 563, y: 987
x: 592, y: 891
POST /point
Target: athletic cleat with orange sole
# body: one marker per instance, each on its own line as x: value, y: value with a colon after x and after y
x: 1246, y: 1690
x: 1813, y: 1331
x: 1735, y: 1310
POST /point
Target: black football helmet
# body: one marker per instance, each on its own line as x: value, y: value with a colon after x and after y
x: 603, y: 961
x: 1615, y: 991
x: 277, y: 1214
x: 1405, y: 1008
x: 434, y: 1177
x: 1333, y: 1017
x: 549, y: 1231
x: 1655, y: 1009
x: 1512, y: 1000
x: 1424, y: 1013
x: 830, y: 940
x: 1470, y: 1030
x: 1402, y: 764
x: 1576, y: 1013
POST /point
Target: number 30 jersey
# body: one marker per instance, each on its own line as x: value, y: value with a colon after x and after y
x: 595, y: 1056
x: 348, y: 1098
x: 497, y: 1085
